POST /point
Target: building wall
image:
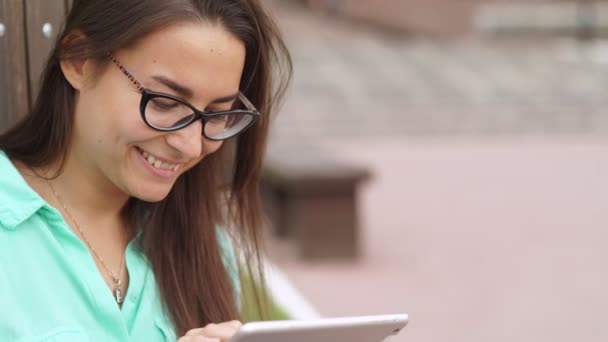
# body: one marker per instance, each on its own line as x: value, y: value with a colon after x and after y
x: 435, y: 17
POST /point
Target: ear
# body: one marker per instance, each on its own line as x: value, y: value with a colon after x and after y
x: 74, y: 70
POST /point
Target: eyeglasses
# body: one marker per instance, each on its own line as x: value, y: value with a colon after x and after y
x: 167, y: 113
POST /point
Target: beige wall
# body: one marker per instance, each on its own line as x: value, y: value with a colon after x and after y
x: 428, y: 16
x: 436, y: 17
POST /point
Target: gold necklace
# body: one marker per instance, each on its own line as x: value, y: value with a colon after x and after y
x: 116, y: 292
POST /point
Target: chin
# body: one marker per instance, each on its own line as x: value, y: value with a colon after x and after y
x: 151, y: 195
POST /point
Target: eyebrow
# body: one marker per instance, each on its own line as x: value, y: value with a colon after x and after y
x: 187, y: 92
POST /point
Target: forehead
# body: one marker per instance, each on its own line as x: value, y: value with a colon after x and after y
x: 201, y: 56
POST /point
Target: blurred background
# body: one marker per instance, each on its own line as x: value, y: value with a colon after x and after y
x: 446, y: 158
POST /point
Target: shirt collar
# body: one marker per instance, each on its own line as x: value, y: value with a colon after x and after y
x: 18, y: 201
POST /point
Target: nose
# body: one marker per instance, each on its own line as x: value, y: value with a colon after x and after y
x: 188, y: 141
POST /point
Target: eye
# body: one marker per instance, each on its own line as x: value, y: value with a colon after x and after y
x: 219, y: 118
x: 225, y: 106
x: 164, y: 104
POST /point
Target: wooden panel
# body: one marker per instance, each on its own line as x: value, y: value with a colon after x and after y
x: 14, y: 92
x: 44, y: 19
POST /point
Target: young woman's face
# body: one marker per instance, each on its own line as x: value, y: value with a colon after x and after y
x: 112, y: 141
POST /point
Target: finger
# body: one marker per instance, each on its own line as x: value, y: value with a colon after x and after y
x: 223, y: 331
x: 234, y: 324
x: 195, y: 332
x: 203, y: 331
x: 208, y: 330
x: 199, y: 338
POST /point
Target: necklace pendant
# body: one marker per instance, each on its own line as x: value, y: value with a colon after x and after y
x: 118, y: 293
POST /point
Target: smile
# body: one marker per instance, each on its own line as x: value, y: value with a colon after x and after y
x: 157, y: 162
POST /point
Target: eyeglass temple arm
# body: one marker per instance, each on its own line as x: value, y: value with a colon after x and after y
x: 246, y: 102
x: 131, y: 78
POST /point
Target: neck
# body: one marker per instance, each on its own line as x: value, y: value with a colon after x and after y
x: 87, y: 193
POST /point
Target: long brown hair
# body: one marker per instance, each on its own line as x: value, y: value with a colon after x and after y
x: 179, y: 232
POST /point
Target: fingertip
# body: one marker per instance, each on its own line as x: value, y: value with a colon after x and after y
x: 235, y: 323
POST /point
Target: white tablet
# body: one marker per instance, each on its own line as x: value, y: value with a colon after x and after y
x: 351, y: 329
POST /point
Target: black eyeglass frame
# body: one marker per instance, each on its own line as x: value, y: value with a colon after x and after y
x: 147, y: 95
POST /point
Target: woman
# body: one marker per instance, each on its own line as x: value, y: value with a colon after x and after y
x: 117, y: 189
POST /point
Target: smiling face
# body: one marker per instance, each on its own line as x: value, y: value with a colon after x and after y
x: 198, y: 62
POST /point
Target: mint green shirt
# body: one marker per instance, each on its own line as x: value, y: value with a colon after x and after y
x: 50, y: 287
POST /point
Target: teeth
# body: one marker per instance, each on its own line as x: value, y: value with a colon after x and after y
x: 158, y: 163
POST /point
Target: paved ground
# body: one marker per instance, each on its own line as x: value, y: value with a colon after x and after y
x: 479, y: 240
x: 486, y: 217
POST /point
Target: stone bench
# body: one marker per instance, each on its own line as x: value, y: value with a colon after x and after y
x: 311, y: 197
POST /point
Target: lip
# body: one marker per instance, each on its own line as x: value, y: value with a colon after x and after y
x: 168, y: 161
x: 166, y: 174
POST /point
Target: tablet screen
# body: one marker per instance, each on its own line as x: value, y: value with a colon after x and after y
x: 351, y: 329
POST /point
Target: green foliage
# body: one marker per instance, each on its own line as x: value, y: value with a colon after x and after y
x: 251, y: 306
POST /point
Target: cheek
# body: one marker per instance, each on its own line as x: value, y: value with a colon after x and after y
x: 209, y: 147
x: 118, y: 107
x: 122, y: 124
x: 103, y: 114
x: 115, y: 128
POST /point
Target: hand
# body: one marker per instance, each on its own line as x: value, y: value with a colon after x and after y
x: 212, y: 333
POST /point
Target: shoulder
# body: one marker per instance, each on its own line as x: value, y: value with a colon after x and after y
x: 18, y: 201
